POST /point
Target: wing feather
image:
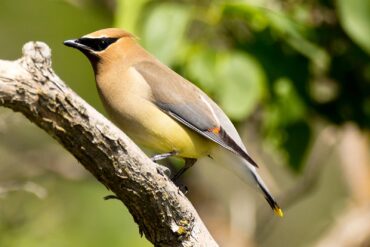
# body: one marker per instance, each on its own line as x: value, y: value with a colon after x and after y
x: 194, y: 108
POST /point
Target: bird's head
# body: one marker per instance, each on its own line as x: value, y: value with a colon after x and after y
x: 97, y: 44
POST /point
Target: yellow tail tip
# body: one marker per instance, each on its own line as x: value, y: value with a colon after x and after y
x: 279, y: 212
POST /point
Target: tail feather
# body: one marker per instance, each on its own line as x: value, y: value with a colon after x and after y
x: 269, y: 198
x: 248, y: 173
x: 273, y: 204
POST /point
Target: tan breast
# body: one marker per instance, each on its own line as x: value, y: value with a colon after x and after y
x: 127, y: 99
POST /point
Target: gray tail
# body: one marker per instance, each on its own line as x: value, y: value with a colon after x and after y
x: 269, y: 198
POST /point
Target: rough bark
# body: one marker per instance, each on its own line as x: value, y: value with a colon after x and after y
x: 164, y: 215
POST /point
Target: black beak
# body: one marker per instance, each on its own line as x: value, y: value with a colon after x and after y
x: 74, y: 43
x: 71, y: 43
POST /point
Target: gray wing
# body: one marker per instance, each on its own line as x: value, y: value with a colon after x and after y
x: 187, y: 104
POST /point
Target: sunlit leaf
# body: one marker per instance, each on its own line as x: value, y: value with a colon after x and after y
x: 127, y: 14
x: 354, y: 15
x: 164, y: 29
x: 241, y: 82
x: 200, y: 67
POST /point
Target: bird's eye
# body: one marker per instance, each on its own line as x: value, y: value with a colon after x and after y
x: 97, y: 44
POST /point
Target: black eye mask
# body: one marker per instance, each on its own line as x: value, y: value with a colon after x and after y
x: 97, y: 44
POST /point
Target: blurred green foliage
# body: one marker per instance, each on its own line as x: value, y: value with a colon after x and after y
x: 290, y: 62
x: 72, y: 215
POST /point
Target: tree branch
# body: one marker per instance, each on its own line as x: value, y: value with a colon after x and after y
x: 166, y: 217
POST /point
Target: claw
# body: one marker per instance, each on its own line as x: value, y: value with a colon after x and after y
x: 183, y: 188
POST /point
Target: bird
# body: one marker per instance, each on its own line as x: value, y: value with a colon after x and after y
x: 161, y: 110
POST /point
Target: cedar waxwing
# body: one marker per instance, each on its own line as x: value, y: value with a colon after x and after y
x: 158, y: 108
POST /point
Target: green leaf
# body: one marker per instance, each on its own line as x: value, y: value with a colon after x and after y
x: 288, y: 101
x: 286, y: 109
x: 354, y: 16
x: 283, y: 27
x: 164, y: 29
x: 200, y: 67
x: 285, y: 123
x: 128, y: 13
x: 294, y: 35
x: 241, y: 81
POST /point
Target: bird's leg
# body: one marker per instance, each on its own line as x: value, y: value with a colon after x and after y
x: 163, y: 156
x: 162, y: 169
x: 189, y: 162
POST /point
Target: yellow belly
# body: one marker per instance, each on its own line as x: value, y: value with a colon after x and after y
x: 150, y: 127
x: 168, y: 136
x: 130, y: 107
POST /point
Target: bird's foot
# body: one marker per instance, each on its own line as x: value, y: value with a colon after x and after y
x: 183, y: 188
